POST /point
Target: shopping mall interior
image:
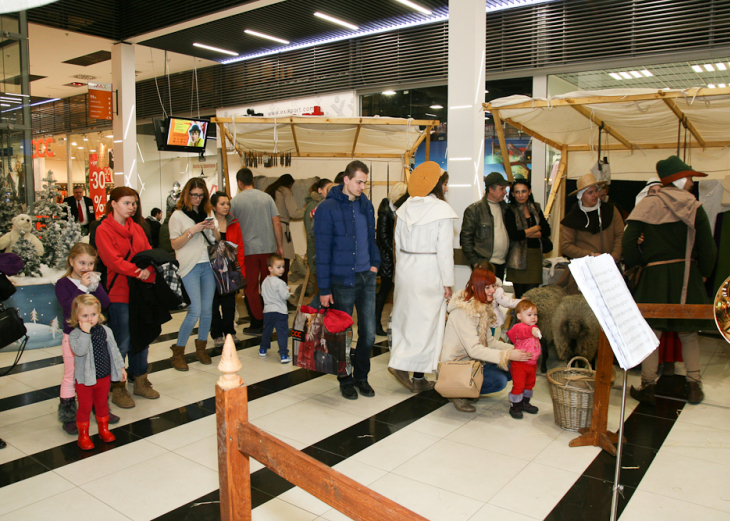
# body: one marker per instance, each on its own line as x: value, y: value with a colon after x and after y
x: 91, y: 95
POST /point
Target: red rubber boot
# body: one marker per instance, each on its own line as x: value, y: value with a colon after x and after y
x: 104, y: 433
x: 84, y: 440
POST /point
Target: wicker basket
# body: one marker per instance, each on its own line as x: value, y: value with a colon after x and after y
x: 572, y: 407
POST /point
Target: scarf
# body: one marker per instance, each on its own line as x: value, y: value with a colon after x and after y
x: 591, y: 219
x: 197, y: 217
x: 521, y: 220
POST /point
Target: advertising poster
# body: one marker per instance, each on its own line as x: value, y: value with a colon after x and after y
x: 100, y: 100
x: 97, y: 184
x: 186, y: 133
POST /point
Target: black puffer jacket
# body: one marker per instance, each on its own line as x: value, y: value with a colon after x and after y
x: 384, y: 238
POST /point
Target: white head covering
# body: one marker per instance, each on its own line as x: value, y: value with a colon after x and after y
x: 645, y: 191
x: 679, y: 183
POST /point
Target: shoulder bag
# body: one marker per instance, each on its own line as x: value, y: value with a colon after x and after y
x: 460, y: 378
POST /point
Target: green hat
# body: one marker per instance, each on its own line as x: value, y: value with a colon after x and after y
x: 495, y: 178
x: 673, y: 168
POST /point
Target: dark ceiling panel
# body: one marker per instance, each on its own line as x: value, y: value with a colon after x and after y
x: 292, y: 20
x: 91, y: 59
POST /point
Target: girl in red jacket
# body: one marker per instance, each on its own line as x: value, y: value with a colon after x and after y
x: 224, y: 306
x: 118, y: 240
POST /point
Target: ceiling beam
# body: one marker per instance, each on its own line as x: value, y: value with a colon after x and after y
x: 534, y: 134
x: 598, y: 121
x: 325, y: 120
x: 354, y: 141
x: 685, y: 121
x: 294, y: 135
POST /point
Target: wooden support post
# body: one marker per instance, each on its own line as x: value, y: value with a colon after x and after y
x: 230, y: 138
x: 683, y: 118
x: 589, y: 114
x: 407, y: 167
x: 225, y: 159
x: 354, y: 141
x: 428, y: 142
x: 294, y: 135
x: 562, y: 171
x: 534, y: 134
x: 502, y: 145
x: 233, y: 466
x: 304, y: 289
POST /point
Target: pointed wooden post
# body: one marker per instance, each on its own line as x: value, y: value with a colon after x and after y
x: 231, y: 406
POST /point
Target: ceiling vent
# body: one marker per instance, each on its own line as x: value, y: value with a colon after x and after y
x: 86, y: 77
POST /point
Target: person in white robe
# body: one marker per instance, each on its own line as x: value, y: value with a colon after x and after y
x: 424, y: 275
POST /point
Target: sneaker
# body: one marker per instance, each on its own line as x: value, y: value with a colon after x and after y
x: 254, y: 331
x: 262, y: 352
x: 348, y: 392
x: 286, y: 359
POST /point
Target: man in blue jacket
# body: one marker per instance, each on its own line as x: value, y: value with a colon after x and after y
x: 347, y: 266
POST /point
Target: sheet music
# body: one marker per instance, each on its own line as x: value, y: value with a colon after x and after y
x: 603, y: 287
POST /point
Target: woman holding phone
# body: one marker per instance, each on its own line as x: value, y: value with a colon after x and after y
x: 192, y: 229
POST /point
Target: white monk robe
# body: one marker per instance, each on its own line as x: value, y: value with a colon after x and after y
x: 424, y: 253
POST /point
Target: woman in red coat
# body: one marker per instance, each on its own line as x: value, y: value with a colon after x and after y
x: 118, y: 240
x: 224, y: 306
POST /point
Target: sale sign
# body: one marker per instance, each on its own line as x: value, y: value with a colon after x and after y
x: 97, y: 185
x: 100, y: 100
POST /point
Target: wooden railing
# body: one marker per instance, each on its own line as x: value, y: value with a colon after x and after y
x: 598, y: 434
x: 238, y: 440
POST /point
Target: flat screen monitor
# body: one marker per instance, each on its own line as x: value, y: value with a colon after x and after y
x: 181, y: 134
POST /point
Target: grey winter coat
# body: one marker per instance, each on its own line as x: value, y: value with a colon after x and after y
x: 84, y: 368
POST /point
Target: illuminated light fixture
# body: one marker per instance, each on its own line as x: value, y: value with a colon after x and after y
x: 459, y: 159
x: 436, y: 107
x: 5, y: 105
x: 72, y: 157
x: 415, y: 6
x: 722, y: 85
x: 73, y: 143
x: 336, y: 21
x: 486, y: 92
x: 111, y: 136
x: 432, y: 115
x: 9, y: 100
x: 215, y: 49
x: 85, y: 138
x: 635, y: 74
x: 262, y: 35
x: 461, y: 107
x: 646, y: 73
x: 92, y: 151
x: 697, y: 68
x: 615, y: 76
x: 388, y: 93
x: 119, y: 141
x: 42, y: 102
x: 721, y: 66
x: 80, y: 148
x: 709, y: 67
x: 711, y: 85
x: 13, y: 94
x: 625, y: 75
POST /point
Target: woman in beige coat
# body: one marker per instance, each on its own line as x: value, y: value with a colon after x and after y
x: 280, y: 191
x: 468, y: 334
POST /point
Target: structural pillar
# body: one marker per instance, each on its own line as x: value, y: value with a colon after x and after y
x: 539, y: 149
x: 467, y: 55
x: 124, y: 123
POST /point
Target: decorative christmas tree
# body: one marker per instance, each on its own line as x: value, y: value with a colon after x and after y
x: 10, y: 205
x: 47, y: 208
x: 34, y: 316
x: 26, y: 251
x: 60, y: 233
x: 55, y: 328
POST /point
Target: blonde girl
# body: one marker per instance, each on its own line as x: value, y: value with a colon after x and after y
x: 79, y: 280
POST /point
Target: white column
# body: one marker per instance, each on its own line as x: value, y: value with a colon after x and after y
x: 539, y: 149
x: 124, y: 123
x: 467, y: 37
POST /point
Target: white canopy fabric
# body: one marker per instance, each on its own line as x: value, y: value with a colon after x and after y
x: 393, y: 137
x: 645, y: 119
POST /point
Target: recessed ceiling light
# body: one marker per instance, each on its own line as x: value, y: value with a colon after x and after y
x: 697, y: 68
x: 635, y: 74
x: 722, y: 85
x: 336, y: 21
x: 415, y: 6
x: 709, y: 67
x: 110, y: 136
x: 720, y: 66
x: 73, y: 143
x: 646, y: 73
x: 86, y: 139
x: 711, y: 85
x: 92, y: 151
x: 80, y: 148
x: 5, y: 105
x: 486, y: 92
x: 262, y: 35
x: 388, y: 93
x: 625, y: 75
x: 432, y: 115
x: 436, y: 107
x: 615, y: 76
x: 72, y: 157
x: 215, y: 49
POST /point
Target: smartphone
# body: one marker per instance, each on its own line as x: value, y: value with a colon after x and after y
x: 209, y: 218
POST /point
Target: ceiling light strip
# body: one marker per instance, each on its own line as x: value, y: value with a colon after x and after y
x: 336, y: 21
x: 266, y: 36
x: 416, y: 7
x: 215, y: 49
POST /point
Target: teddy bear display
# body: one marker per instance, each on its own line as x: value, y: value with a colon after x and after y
x: 22, y: 225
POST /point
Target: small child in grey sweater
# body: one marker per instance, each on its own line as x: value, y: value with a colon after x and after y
x: 276, y: 316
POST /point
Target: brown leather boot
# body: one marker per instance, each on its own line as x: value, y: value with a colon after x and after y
x: 143, y: 388
x: 178, y: 358
x: 120, y: 395
x: 200, y: 353
x: 421, y: 384
x: 695, y: 393
x: 402, y: 377
x: 645, y: 394
x: 462, y: 405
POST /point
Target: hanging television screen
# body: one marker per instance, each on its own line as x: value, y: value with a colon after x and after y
x: 181, y: 134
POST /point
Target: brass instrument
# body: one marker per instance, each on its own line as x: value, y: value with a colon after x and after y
x: 722, y: 309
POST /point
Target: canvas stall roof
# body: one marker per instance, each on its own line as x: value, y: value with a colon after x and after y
x: 327, y: 136
x: 642, y: 126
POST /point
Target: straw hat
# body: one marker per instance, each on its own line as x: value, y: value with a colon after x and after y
x: 586, y: 181
x: 424, y: 178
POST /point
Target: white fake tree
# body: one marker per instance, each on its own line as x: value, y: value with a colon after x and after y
x: 60, y: 233
x: 34, y: 316
x: 27, y: 252
x: 10, y: 205
x: 55, y: 327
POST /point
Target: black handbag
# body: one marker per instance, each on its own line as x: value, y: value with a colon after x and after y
x: 7, y: 289
x: 12, y: 327
x: 547, y: 244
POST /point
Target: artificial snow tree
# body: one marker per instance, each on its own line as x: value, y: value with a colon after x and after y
x: 27, y: 252
x: 10, y: 205
x: 60, y: 232
x: 46, y: 207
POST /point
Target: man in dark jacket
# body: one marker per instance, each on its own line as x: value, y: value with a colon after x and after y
x: 347, y: 266
x: 483, y: 234
x: 81, y: 208
x: 154, y: 222
x: 669, y: 234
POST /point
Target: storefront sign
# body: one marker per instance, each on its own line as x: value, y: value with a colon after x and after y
x: 42, y: 147
x: 100, y: 100
x: 339, y: 104
x: 97, y: 185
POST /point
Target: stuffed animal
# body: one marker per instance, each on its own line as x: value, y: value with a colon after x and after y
x: 575, y: 329
x: 21, y: 223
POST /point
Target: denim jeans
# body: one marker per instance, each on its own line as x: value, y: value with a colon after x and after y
x: 362, y: 298
x: 119, y: 323
x: 280, y: 321
x: 495, y: 379
x: 200, y: 285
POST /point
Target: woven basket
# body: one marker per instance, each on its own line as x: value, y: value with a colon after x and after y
x: 572, y: 408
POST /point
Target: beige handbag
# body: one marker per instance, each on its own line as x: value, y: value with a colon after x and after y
x: 460, y: 378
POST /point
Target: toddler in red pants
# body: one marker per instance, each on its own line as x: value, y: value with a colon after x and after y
x: 97, y: 362
x: 526, y: 337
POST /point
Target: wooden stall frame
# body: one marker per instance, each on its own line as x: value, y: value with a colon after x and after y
x: 598, y: 434
x: 238, y: 440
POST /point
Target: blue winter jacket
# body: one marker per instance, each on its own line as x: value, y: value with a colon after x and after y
x: 334, y: 237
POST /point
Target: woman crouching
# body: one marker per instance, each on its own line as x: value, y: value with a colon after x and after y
x: 468, y: 334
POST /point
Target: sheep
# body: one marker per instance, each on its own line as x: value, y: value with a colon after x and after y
x: 575, y: 329
x: 547, y: 298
